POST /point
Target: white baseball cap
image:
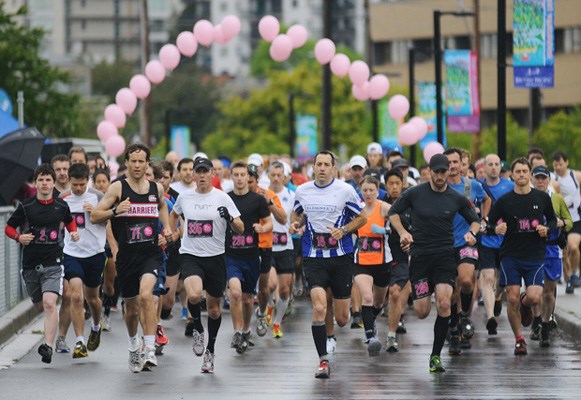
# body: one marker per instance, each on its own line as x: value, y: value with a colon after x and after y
x: 358, y: 161
x: 287, y: 168
x: 256, y: 159
x: 199, y: 154
x: 374, y: 148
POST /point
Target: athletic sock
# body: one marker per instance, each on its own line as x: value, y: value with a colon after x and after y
x: 80, y: 339
x: 213, y: 327
x: 196, y: 311
x: 454, y: 317
x: 133, y: 343
x: 466, y: 300
x: 368, y: 318
x: 149, y: 340
x: 440, y: 330
x: 376, y: 311
x: 281, y: 306
x: 320, y: 337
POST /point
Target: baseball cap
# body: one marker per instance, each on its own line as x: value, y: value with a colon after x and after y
x: 504, y: 166
x: 202, y: 162
x: 541, y: 170
x: 200, y: 154
x: 374, y: 172
x: 253, y: 170
x: 374, y: 148
x: 400, y: 163
x: 255, y: 159
x: 439, y: 162
x: 358, y: 161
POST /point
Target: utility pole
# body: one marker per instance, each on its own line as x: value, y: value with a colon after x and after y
x: 501, y: 76
x: 412, y: 86
x: 146, y: 105
x: 476, y: 47
x: 371, y: 63
x: 326, y: 86
x: 438, y: 79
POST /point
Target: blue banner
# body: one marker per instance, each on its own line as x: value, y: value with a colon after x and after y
x: 427, y: 110
x: 306, y: 145
x: 181, y: 140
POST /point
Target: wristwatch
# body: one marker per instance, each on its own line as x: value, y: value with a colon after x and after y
x: 114, y: 209
x: 345, y: 230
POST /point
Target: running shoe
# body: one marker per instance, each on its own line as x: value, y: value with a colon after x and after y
x: 324, y: 370
x: 269, y: 315
x: 455, y: 349
x: 498, y: 306
x: 298, y: 289
x: 135, y: 361
x: 465, y: 343
x: 289, y: 308
x: 392, y: 345
x: 249, y: 338
x: 208, y: 363
x: 466, y: 327
x: 436, y: 364
x: 276, y: 331
x: 80, y: 350
x: 520, y: 348
x: 189, y: 328
x: 149, y: 358
x: 373, y: 347
x: 491, y: 326
x: 106, y: 323
x: 401, y: 326
x: 526, y: 314
x: 575, y: 281
x: 357, y: 321
x: 545, y: 335
x: 61, y: 345
x: 184, y: 316
x: 261, y: 326
x: 331, y: 345
x: 198, y: 344
x: 239, y: 343
x: 536, y: 332
x: 160, y: 337
x: 553, y: 322
x: 45, y: 352
x: 570, y: 288
x: 94, y: 338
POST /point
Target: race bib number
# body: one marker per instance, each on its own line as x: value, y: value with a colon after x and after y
x: 45, y: 234
x: 140, y: 233
x: 200, y: 229
x: 526, y: 225
x: 279, y: 238
x: 422, y: 288
x: 324, y: 241
x: 468, y: 252
x: 367, y: 244
x: 242, y: 242
x: 79, y: 219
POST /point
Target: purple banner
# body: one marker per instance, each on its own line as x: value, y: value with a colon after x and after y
x: 464, y: 123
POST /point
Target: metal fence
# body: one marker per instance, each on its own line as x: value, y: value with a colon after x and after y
x: 11, y: 289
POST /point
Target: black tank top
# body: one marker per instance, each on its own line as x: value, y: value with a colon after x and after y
x: 136, y: 231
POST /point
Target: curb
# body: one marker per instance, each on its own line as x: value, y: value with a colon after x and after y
x: 569, y: 322
x: 16, y: 319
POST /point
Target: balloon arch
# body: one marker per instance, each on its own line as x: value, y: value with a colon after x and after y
x: 281, y: 46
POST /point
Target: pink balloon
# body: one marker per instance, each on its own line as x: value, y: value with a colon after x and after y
x: 113, y: 168
x: 155, y: 71
x: 281, y: 48
x: 324, y: 51
x: 361, y: 92
x: 204, y: 32
x: 358, y: 72
x: 421, y: 126
x: 268, y: 27
x: 126, y: 99
x: 230, y: 26
x: 340, y: 65
x: 115, y: 146
x: 169, y: 56
x: 398, y: 107
x: 378, y: 87
x: 115, y: 115
x: 105, y: 130
x: 187, y: 43
x: 140, y: 85
x: 219, y: 35
x: 431, y: 149
x: 407, y: 134
x: 298, y: 35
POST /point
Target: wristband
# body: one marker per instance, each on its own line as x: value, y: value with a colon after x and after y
x: 17, y: 237
x: 472, y: 233
x: 114, y: 209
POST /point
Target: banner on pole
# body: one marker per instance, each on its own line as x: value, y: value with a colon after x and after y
x: 388, y: 137
x: 180, y: 140
x: 427, y: 110
x: 462, y: 91
x: 306, y: 146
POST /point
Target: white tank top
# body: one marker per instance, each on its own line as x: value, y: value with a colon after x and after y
x: 570, y: 192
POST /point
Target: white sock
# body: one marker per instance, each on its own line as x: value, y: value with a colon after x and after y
x: 134, y: 343
x: 281, y: 306
x: 80, y: 339
x: 149, y: 340
x: 96, y: 328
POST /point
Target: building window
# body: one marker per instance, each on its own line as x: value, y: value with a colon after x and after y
x: 382, y: 53
x: 572, y: 40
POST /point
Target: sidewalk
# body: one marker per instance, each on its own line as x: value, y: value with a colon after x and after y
x: 568, y: 312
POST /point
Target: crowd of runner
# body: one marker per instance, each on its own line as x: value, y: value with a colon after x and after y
x: 362, y: 239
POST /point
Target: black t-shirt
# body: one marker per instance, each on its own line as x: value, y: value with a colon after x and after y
x: 522, y: 213
x: 252, y: 207
x: 432, y: 215
x: 397, y: 253
x: 44, y: 222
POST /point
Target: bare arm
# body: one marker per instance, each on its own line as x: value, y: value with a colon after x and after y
x: 163, y: 214
x: 297, y: 221
x: 356, y: 223
x: 278, y: 212
x: 237, y: 225
x: 103, y: 211
x: 265, y: 227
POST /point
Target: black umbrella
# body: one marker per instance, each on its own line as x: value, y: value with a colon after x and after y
x: 19, y: 152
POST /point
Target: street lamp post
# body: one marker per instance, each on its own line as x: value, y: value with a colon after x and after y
x: 438, y: 65
x: 412, y: 63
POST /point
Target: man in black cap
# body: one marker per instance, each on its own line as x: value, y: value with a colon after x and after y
x: 404, y: 166
x: 433, y: 265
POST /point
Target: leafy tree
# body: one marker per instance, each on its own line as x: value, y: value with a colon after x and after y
x: 107, y: 79
x: 561, y: 131
x: 517, y: 140
x: 22, y: 69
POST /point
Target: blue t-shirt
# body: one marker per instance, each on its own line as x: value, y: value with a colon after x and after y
x: 497, y: 191
x: 477, y: 194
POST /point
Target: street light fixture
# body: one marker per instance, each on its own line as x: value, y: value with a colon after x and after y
x: 438, y: 65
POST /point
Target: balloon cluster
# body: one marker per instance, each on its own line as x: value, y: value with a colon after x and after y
x: 203, y: 33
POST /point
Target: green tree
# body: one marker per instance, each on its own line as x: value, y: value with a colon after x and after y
x: 517, y: 140
x: 561, y: 131
x: 107, y: 79
x: 22, y: 69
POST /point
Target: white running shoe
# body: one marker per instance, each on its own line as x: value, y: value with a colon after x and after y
x: 208, y: 364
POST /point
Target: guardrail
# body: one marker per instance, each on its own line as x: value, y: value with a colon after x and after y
x: 11, y: 287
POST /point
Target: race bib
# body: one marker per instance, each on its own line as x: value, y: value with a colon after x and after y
x: 422, y: 288
x: 140, y: 233
x: 79, y: 219
x: 468, y: 252
x: 279, y: 238
x: 45, y: 234
x: 368, y: 244
x: 242, y: 242
x: 200, y: 228
x: 526, y: 225
x: 324, y: 241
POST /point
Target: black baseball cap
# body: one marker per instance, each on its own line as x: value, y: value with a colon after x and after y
x: 374, y: 172
x: 541, y: 170
x: 439, y: 162
x: 400, y: 163
x: 253, y: 170
x: 202, y: 162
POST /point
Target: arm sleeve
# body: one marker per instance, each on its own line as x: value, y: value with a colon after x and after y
x: 71, y: 226
x: 10, y: 231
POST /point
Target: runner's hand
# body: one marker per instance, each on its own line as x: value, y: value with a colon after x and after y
x: 542, y: 230
x: 500, y: 229
x: 224, y: 213
x: 26, y: 238
x: 88, y: 207
x: 124, y: 206
x: 406, y: 241
x: 75, y: 236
